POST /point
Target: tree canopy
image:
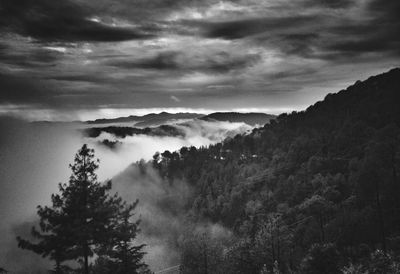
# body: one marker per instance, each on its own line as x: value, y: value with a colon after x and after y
x: 83, y: 219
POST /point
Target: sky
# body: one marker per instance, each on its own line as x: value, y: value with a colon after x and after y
x: 85, y: 59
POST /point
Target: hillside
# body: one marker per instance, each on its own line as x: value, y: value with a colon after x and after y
x: 316, y: 191
x: 157, y: 119
x: 148, y: 119
x: 248, y: 118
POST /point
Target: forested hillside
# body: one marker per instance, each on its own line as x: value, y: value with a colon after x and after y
x: 316, y: 191
x: 253, y: 119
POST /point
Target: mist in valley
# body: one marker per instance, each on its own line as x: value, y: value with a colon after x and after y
x: 35, y: 158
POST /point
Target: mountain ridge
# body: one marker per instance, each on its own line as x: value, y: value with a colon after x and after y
x: 251, y: 118
x: 313, y: 191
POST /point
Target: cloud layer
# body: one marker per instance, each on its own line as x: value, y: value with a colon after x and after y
x: 76, y: 55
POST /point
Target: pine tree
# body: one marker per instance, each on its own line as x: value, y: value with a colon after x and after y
x: 121, y: 254
x: 80, y: 218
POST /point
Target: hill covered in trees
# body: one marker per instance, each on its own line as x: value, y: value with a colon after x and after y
x: 235, y: 117
x: 148, y: 119
x: 164, y: 118
x: 315, y: 191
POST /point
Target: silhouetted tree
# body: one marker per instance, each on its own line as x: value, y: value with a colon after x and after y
x: 80, y: 217
x: 120, y: 254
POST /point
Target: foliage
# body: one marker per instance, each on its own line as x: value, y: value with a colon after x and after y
x: 329, y: 174
x: 321, y: 259
x: 82, y: 218
x: 119, y: 255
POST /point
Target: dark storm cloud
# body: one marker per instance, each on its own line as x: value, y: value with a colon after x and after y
x: 317, y: 35
x: 51, y: 20
x: 237, y: 29
x: 165, y: 60
x: 53, y: 53
x: 290, y: 73
x: 16, y: 89
x: 379, y: 34
x: 220, y: 62
x: 78, y: 78
x: 32, y: 58
x: 59, y: 92
x: 388, y: 9
x: 292, y: 43
x: 145, y: 10
x: 336, y: 4
x: 368, y: 45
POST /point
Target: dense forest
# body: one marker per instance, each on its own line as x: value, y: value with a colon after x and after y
x: 316, y: 191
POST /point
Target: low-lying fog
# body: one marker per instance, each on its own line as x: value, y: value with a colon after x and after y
x: 34, y: 158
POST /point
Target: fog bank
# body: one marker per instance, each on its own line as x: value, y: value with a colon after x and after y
x: 34, y: 158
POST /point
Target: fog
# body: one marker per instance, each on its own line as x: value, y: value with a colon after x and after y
x: 160, y: 209
x: 34, y: 158
x: 162, y: 212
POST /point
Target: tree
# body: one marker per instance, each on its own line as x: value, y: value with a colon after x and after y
x: 318, y: 207
x: 321, y: 258
x: 80, y: 218
x: 202, y: 252
x: 120, y: 254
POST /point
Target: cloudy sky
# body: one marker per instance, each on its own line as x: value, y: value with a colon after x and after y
x: 81, y: 59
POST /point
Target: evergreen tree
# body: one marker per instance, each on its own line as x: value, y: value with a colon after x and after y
x: 120, y: 254
x: 80, y: 218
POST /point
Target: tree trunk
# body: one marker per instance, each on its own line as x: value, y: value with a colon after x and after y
x: 381, y: 218
x: 58, y: 267
x: 278, y: 251
x: 86, y: 259
x: 321, y: 226
x: 85, y: 245
x: 205, y: 261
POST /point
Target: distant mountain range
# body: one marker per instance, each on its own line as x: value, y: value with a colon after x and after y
x: 156, y: 119
x: 252, y: 119
x: 148, y: 119
x: 122, y: 132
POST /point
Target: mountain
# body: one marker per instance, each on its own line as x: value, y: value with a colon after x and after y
x: 157, y: 119
x: 316, y: 191
x: 122, y: 132
x: 171, y: 125
x: 252, y: 119
x: 148, y: 119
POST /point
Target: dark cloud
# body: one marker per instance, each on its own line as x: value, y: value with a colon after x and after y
x: 367, y: 45
x: 237, y: 29
x: 30, y: 58
x: 140, y: 11
x: 165, y: 60
x: 385, y: 9
x: 379, y: 33
x: 50, y: 20
x: 220, y: 62
x: 336, y: 4
x: 290, y: 73
x: 52, y: 53
x: 300, y: 44
x: 78, y: 78
x: 23, y: 90
x: 57, y: 92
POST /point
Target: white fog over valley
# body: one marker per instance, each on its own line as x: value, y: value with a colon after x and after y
x: 44, y: 152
